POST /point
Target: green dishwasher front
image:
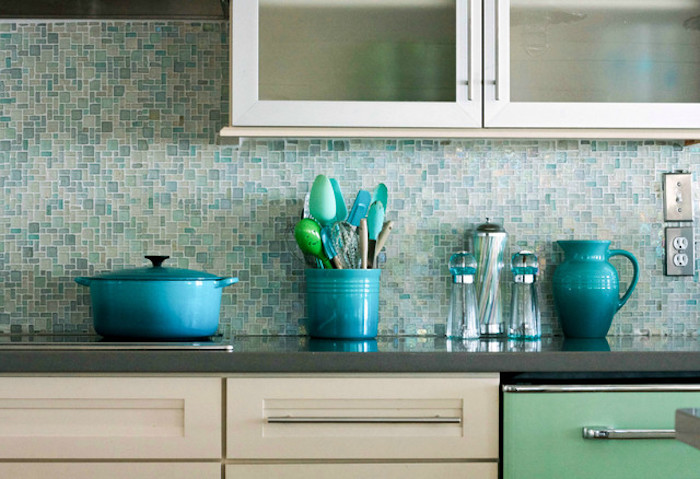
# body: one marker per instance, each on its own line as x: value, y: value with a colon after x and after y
x: 628, y: 429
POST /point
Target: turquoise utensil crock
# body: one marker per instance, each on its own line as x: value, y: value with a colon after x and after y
x: 342, y: 303
x: 587, y: 288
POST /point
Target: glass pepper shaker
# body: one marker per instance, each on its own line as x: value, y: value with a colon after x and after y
x: 463, y: 321
x: 525, y: 314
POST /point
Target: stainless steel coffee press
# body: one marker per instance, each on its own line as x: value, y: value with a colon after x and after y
x: 490, y: 242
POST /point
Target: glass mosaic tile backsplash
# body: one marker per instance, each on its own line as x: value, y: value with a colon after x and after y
x: 108, y: 153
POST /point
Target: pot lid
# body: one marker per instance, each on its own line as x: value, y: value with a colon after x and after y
x: 157, y: 272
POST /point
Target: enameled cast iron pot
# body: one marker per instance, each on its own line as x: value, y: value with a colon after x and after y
x: 156, y: 302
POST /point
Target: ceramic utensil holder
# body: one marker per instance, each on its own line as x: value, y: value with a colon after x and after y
x: 342, y: 303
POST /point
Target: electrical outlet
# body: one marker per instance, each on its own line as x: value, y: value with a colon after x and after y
x: 678, y: 196
x: 680, y: 254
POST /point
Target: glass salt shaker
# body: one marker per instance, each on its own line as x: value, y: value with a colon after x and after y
x: 525, y: 314
x: 462, y: 321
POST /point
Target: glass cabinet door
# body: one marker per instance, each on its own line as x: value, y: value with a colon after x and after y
x: 356, y: 63
x: 592, y: 63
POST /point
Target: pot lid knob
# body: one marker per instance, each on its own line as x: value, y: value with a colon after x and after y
x: 156, y: 260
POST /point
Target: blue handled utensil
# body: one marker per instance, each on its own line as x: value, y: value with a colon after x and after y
x: 328, y: 247
x: 381, y: 193
x: 359, y: 207
x: 375, y: 222
x: 344, y: 233
x: 341, y: 210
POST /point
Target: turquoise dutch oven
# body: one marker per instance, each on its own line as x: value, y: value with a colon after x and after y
x: 156, y: 302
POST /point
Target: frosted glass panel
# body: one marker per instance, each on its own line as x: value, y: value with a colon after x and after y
x: 357, y: 50
x: 643, y: 51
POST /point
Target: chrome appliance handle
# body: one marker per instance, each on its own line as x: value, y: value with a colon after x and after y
x: 600, y: 432
x: 362, y: 420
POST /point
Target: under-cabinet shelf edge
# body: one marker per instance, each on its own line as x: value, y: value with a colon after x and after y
x: 235, y: 133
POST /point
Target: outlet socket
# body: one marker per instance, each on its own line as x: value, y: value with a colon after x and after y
x: 680, y: 254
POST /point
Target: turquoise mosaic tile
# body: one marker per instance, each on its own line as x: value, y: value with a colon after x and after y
x: 107, y: 154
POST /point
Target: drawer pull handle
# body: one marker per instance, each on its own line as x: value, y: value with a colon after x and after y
x: 597, y: 432
x: 363, y: 420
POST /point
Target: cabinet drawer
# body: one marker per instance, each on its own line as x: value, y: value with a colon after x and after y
x: 363, y: 417
x: 62, y: 470
x: 353, y: 471
x: 543, y: 435
x: 104, y: 418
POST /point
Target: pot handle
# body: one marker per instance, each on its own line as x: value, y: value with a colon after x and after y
x: 635, y: 274
x: 83, y: 281
x: 223, y: 282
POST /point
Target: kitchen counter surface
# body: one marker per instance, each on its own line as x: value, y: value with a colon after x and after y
x: 622, y: 356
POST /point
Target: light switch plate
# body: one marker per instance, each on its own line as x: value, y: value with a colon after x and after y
x: 680, y: 251
x: 678, y: 196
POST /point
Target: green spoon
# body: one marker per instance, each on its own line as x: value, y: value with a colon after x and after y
x: 308, y: 235
x: 322, y: 200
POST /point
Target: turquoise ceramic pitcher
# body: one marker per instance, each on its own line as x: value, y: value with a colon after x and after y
x: 587, y: 288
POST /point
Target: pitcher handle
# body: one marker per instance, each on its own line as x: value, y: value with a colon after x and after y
x: 635, y: 274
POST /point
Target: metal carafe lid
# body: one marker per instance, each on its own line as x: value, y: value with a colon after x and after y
x: 488, y: 229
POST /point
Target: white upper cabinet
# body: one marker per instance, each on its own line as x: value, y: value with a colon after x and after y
x: 511, y: 68
x: 592, y: 63
x: 356, y: 63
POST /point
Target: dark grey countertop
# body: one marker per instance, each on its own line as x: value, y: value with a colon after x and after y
x: 624, y: 356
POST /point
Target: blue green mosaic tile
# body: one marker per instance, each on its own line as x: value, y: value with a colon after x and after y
x: 107, y: 153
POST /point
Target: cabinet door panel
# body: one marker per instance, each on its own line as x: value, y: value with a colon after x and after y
x: 542, y: 435
x: 367, y: 417
x: 62, y: 470
x: 353, y: 471
x: 587, y: 63
x: 86, y: 417
x: 356, y: 63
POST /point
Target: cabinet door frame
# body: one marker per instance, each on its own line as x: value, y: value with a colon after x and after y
x: 275, y: 417
x: 110, y: 470
x: 248, y: 110
x: 500, y: 112
x: 391, y: 470
x: 110, y: 417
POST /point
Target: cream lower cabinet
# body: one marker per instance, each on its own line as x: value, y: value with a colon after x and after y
x: 62, y: 470
x: 354, y: 471
x: 166, y: 426
x: 286, y: 426
x: 356, y: 426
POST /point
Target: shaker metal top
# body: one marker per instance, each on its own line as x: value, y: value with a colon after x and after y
x: 489, y: 228
x: 524, y: 266
x: 462, y: 267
